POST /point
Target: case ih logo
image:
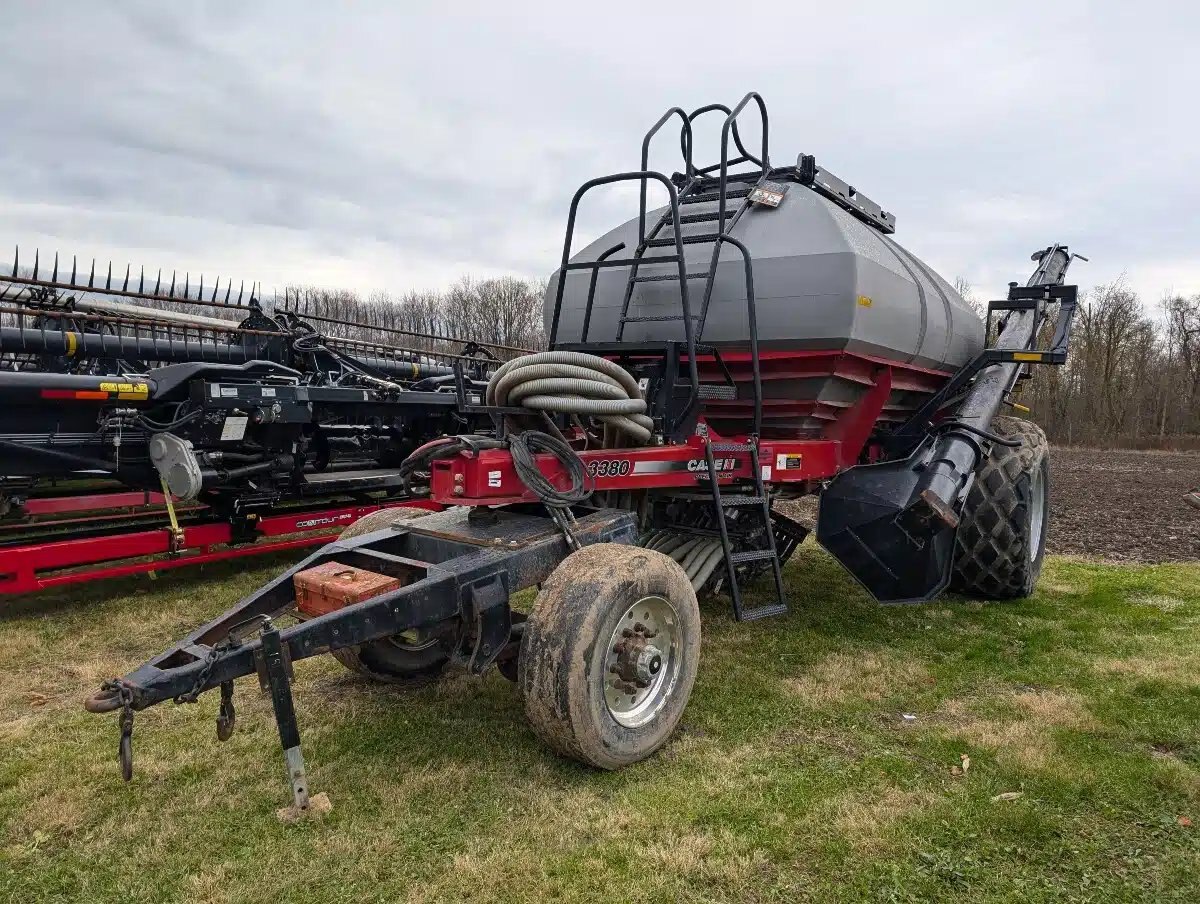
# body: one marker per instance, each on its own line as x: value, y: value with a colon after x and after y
x: 722, y: 464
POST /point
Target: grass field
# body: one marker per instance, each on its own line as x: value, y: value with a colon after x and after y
x: 821, y: 758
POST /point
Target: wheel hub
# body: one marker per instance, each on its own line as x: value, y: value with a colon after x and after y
x: 642, y: 665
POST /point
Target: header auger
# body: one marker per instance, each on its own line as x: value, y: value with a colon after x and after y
x: 761, y: 336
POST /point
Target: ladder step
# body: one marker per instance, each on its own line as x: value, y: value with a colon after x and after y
x: 731, y: 447
x: 752, y: 555
x: 718, y: 391
x: 687, y: 240
x: 731, y: 501
x: 663, y: 319
x: 714, y: 196
x: 706, y: 217
x: 764, y: 611
x: 666, y: 276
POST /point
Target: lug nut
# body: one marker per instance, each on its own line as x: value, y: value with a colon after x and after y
x: 640, y: 628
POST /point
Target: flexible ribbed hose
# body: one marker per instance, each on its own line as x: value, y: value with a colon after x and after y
x: 699, y: 557
x: 574, y: 383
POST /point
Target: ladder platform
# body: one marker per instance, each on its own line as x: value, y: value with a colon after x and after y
x: 766, y: 611
x: 718, y: 391
x: 731, y: 447
x: 706, y: 238
x: 707, y: 217
x: 665, y: 318
x: 734, y: 501
x: 666, y: 276
x: 707, y: 196
x: 752, y: 555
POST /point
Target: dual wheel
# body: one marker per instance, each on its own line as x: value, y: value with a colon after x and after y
x: 607, y: 659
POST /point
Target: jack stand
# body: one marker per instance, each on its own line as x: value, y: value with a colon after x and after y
x: 275, y: 671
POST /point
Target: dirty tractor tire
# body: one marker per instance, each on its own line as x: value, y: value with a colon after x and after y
x: 609, y: 654
x: 1001, y: 538
x: 407, y: 660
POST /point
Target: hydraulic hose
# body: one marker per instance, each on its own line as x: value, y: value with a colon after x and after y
x: 563, y: 382
x: 699, y: 557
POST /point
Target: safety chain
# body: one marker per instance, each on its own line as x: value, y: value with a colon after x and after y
x: 125, y: 748
x: 210, y: 662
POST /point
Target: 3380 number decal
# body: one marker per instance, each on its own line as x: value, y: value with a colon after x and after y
x: 609, y: 467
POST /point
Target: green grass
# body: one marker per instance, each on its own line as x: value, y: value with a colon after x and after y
x: 795, y: 775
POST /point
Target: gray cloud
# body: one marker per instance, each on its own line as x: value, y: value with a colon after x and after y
x: 376, y: 146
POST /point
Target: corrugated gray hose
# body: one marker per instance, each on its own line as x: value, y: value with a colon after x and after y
x: 699, y: 557
x: 575, y: 383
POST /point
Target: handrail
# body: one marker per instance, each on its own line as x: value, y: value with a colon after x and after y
x: 564, y: 267
x: 685, y: 139
x: 587, y: 312
x: 764, y: 162
x: 747, y: 157
x: 752, y: 322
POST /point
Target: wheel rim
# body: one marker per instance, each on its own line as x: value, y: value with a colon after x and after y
x: 641, y: 669
x: 1037, y: 514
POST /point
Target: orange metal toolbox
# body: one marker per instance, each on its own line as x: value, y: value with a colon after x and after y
x: 332, y: 585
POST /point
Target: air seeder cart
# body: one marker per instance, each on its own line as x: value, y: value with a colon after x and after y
x: 758, y: 337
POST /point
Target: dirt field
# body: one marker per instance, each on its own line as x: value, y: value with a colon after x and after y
x: 1124, y: 506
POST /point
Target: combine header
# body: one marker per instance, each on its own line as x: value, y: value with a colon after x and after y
x: 758, y: 336
x: 130, y: 431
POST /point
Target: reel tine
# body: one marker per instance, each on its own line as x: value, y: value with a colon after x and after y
x: 36, y: 255
x: 92, y: 275
x: 125, y: 285
x: 54, y: 275
x: 16, y: 259
x: 108, y: 281
x: 200, y: 291
x: 171, y: 294
x: 142, y: 280
x: 241, y: 288
x: 158, y: 281
x: 228, y: 289
x: 73, y: 269
x: 187, y: 284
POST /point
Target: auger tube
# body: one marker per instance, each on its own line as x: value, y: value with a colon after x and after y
x: 957, y: 452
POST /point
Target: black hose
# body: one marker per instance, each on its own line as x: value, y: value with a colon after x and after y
x: 524, y: 446
x: 80, y: 462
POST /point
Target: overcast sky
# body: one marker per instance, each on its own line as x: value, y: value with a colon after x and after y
x: 367, y: 146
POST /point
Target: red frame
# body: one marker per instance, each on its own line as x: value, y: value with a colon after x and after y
x: 24, y: 569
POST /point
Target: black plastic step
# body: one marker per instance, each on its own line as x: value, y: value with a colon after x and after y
x: 718, y: 391
x: 663, y: 319
x: 764, y: 611
x: 731, y: 501
x: 687, y: 240
x: 730, y: 447
x: 706, y: 217
x: 666, y: 276
x: 752, y: 555
x: 715, y: 196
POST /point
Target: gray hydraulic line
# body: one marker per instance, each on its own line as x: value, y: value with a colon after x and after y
x: 563, y: 382
x: 957, y: 452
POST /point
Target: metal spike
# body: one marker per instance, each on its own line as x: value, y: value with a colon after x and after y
x: 16, y: 259
x: 125, y: 287
x: 72, y: 269
x: 92, y: 275
x: 158, y: 281
x: 36, y: 255
x: 187, y: 284
x: 241, y: 287
x: 228, y: 289
x: 142, y: 280
x: 54, y: 275
x: 172, y: 292
x: 108, y: 282
x: 216, y: 286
